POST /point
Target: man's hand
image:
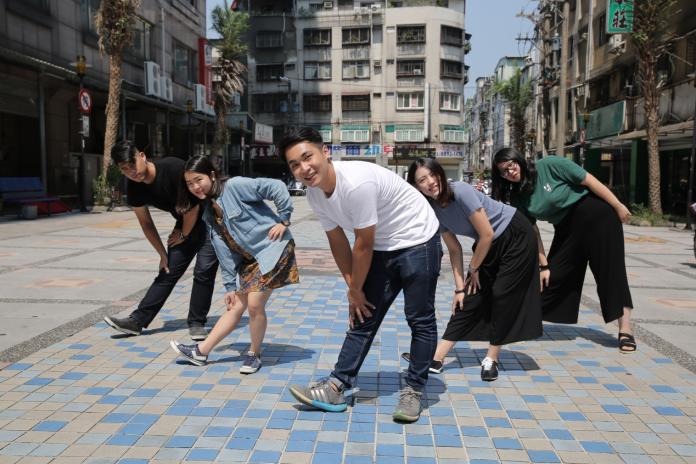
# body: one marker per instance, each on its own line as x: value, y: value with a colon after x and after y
x: 230, y: 299
x: 457, y: 302
x: 164, y: 263
x: 175, y: 238
x: 276, y: 232
x: 358, y: 307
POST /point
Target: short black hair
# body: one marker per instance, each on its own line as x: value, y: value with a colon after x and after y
x: 298, y: 135
x: 124, y: 151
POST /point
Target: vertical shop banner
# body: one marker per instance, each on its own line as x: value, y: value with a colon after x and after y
x: 205, y: 68
x: 619, y: 16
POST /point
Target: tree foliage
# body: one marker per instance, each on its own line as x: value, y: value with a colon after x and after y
x: 517, y: 92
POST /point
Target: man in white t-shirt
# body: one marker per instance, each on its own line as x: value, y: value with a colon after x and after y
x: 396, y: 248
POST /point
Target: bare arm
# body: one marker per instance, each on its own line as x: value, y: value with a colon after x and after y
x: 340, y: 249
x: 479, y: 219
x: 178, y: 237
x: 603, y: 192
x: 544, y: 271
x: 457, y: 260
x: 152, y: 235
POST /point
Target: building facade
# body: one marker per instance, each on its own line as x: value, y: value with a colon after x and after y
x: 40, y: 123
x: 381, y: 81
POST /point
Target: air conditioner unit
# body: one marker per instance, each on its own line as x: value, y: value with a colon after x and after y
x: 418, y: 72
x: 236, y: 100
x: 199, y: 102
x: 356, y: 10
x: 328, y: 5
x: 152, y: 79
x: 580, y: 91
x: 209, y: 110
x: 166, y: 90
x: 375, y: 127
x: 378, y: 63
x: 376, y: 7
x: 617, y: 44
x: 364, y: 10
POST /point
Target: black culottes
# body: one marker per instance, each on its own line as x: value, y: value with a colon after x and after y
x: 590, y: 233
x: 507, y: 309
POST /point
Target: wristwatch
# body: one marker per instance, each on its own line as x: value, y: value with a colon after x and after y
x: 285, y: 222
x: 182, y: 236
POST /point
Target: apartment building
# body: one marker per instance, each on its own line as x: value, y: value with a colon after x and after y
x: 382, y: 81
x: 164, y: 69
x: 604, y: 99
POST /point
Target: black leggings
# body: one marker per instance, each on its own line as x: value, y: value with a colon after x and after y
x: 590, y: 232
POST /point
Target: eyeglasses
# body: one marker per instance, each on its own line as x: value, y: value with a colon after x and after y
x: 508, y: 168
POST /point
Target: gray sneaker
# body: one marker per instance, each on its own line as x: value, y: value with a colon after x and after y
x: 127, y: 325
x: 320, y: 395
x: 198, y: 333
x: 409, y: 407
x: 252, y: 363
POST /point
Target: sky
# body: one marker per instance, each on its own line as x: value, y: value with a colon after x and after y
x: 493, y: 25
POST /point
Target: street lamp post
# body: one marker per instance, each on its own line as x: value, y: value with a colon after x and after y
x: 81, y: 69
x: 189, y: 110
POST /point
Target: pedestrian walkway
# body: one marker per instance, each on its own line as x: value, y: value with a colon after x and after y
x: 100, y: 397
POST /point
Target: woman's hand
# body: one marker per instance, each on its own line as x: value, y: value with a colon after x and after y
x: 276, y: 232
x: 544, y: 276
x: 230, y: 299
x: 472, y: 284
x: 622, y: 212
x: 457, y: 302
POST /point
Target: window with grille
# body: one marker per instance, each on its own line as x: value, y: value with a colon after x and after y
x: 325, y: 135
x: 356, y: 69
x: 269, y: 72
x: 451, y: 69
x: 407, y: 68
x: 356, y: 36
x: 355, y: 102
x: 451, y: 36
x: 317, y: 37
x: 450, y: 101
x: 408, y: 135
x: 268, y: 103
x: 355, y: 135
x: 317, y: 70
x: 409, y: 100
x: 410, y: 34
x: 269, y: 39
x: 452, y: 136
x: 317, y: 103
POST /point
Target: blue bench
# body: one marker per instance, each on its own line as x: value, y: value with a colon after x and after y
x: 29, y: 191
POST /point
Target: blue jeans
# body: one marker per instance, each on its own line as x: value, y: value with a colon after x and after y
x: 414, y: 270
x: 198, y: 245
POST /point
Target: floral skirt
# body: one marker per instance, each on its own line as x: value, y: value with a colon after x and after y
x: 284, y: 273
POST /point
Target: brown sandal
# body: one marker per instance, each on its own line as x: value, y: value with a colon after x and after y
x: 627, y: 343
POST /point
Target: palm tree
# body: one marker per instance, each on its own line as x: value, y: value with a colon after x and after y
x: 231, y: 25
x: 114, y: 21
x: 650, y: 22
x: 518, y: 94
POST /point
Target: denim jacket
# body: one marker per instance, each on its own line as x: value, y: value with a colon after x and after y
x: 248, y: 219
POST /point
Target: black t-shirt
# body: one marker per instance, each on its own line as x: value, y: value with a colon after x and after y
x: 162, y: 192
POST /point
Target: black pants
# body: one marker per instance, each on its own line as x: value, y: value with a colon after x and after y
x: 198, y: 244
x: 507, y: 309
x: 590, y: 233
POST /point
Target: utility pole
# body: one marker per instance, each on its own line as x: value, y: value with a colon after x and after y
x: 563, y: 84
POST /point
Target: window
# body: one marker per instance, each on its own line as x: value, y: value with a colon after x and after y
x: 449, y: 101
x: 356, y: 36
x: 409, y: 100
x: 141, y: 39
x: 269, y: 72
x: 317, y: 70
x: 602, y: 37
x: 269, y: 39
x: 325, y: 135
x: 410, y: 34
x: 408, y: 134
x: 451, y: 36
x: 317, y: 103
x: 451, y: 69
x: 317, y: 37
x: 269, y: 103
x: 356, y: 69
x: 92, y: 6
x: 410, y: 68
x: 452, y: 136
x: 184, y: 63
x: 355, y: 135
x: 355, y: 102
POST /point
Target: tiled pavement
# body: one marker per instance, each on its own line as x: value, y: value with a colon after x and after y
x: 569, y: 397
x: 97, y: 397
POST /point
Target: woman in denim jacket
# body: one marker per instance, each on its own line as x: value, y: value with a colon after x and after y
x: 253, y: 244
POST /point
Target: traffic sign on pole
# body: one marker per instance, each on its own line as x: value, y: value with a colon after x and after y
x: 85, y: 101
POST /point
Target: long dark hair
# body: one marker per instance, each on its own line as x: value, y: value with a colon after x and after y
x: 446, y: 194
x: 501, y: 188
x: 185, y: 200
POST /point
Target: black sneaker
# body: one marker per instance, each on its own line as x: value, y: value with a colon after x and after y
x: 128, y: 325
x: 489, y: 369
x: 189, y: 352
x: 435, y: 366
x: 198, y: 333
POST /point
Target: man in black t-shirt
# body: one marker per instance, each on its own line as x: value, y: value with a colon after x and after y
x: 155, y: 183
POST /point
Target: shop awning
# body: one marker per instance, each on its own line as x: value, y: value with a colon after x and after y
x: 669, y: 130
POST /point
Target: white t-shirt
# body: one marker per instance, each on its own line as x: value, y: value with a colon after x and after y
x: 367, y: 194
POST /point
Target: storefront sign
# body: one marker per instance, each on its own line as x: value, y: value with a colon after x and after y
x: 449, y: 151
x: 262, y: 151
x: 606, y: 121
x: 263, y: 133
x: 619, y: 16
x: 355, y: 150
x: 413, y: 152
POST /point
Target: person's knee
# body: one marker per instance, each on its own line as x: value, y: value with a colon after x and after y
x: 257, y: 310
